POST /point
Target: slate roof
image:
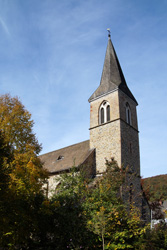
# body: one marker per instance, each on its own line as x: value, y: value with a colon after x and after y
x: 112, y: 76
x: 65, y: 158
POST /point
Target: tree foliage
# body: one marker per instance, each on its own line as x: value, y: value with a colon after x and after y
x: 16, y: 125
x: 21, y: 172
x: 155, y: 190
x: 90, y: 214
x: 108, y: 216
x: 155, y: 187
x: 20, y: 147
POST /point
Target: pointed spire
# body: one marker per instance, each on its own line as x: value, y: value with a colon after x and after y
x: 112, y: 76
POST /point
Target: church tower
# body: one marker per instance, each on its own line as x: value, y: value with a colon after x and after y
x: 113, y: 118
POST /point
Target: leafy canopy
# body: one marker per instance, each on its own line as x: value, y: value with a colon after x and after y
x: 21, y: 173
x: 16, y: 125
x: 155, y: 187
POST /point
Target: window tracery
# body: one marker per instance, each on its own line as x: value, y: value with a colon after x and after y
x: 104, y: 112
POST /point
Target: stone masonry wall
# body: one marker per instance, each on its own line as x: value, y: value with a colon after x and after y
x: 105, y: 138
x: 119, y: 140
x: 130, y: 147
x: 113, y: 100
x: 130, y: 156
x: 123, y: 99
x: 107, y: 141
x: 53, y: 182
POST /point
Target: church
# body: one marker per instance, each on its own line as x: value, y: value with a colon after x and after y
x: 113, y: 133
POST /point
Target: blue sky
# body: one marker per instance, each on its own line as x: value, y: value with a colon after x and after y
x: 52, y: 54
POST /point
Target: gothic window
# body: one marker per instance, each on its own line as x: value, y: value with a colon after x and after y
x: 108, y: 113
x: 128, y: 114
x: 104, y: 112
x: 102, y: 115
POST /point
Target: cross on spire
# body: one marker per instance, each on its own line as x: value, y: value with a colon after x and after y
x: 109, y: 33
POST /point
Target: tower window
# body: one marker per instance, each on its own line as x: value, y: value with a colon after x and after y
x: 108, y: 113
x: 104, y: 112
x: 102, y: 115
x: 131, y: 194
x: 128, y: 114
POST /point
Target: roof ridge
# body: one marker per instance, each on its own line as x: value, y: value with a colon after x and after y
x: 64, y: 148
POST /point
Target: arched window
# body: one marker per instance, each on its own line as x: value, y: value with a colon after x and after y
x: 108, y: 113
x: 104, y: 112
x: 128, y: 114
x: 102, y: 115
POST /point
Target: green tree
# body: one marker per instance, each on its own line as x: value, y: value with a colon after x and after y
x: 91, y: 213
x: 102, y: 201
x: 21, y: 173
x: 154, y: 239
x: 72, y: 232
x: 16, y: 125
x: 24, y: 167
x: 155, y: 188
x: 107, y: 215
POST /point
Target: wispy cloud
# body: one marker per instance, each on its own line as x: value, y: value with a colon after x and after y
x: 4, y: 26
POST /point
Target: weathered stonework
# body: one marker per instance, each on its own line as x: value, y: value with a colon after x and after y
x: 129, y: 135
x: 115, y: 138
x: 123, y: 99
x: 53, y: 182
x: 130, y: 148
x: 105, y: 138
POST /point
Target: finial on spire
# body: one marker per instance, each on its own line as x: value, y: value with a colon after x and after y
x: 109, y: 34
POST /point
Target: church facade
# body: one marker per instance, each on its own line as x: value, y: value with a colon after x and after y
x: 113, y: 134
